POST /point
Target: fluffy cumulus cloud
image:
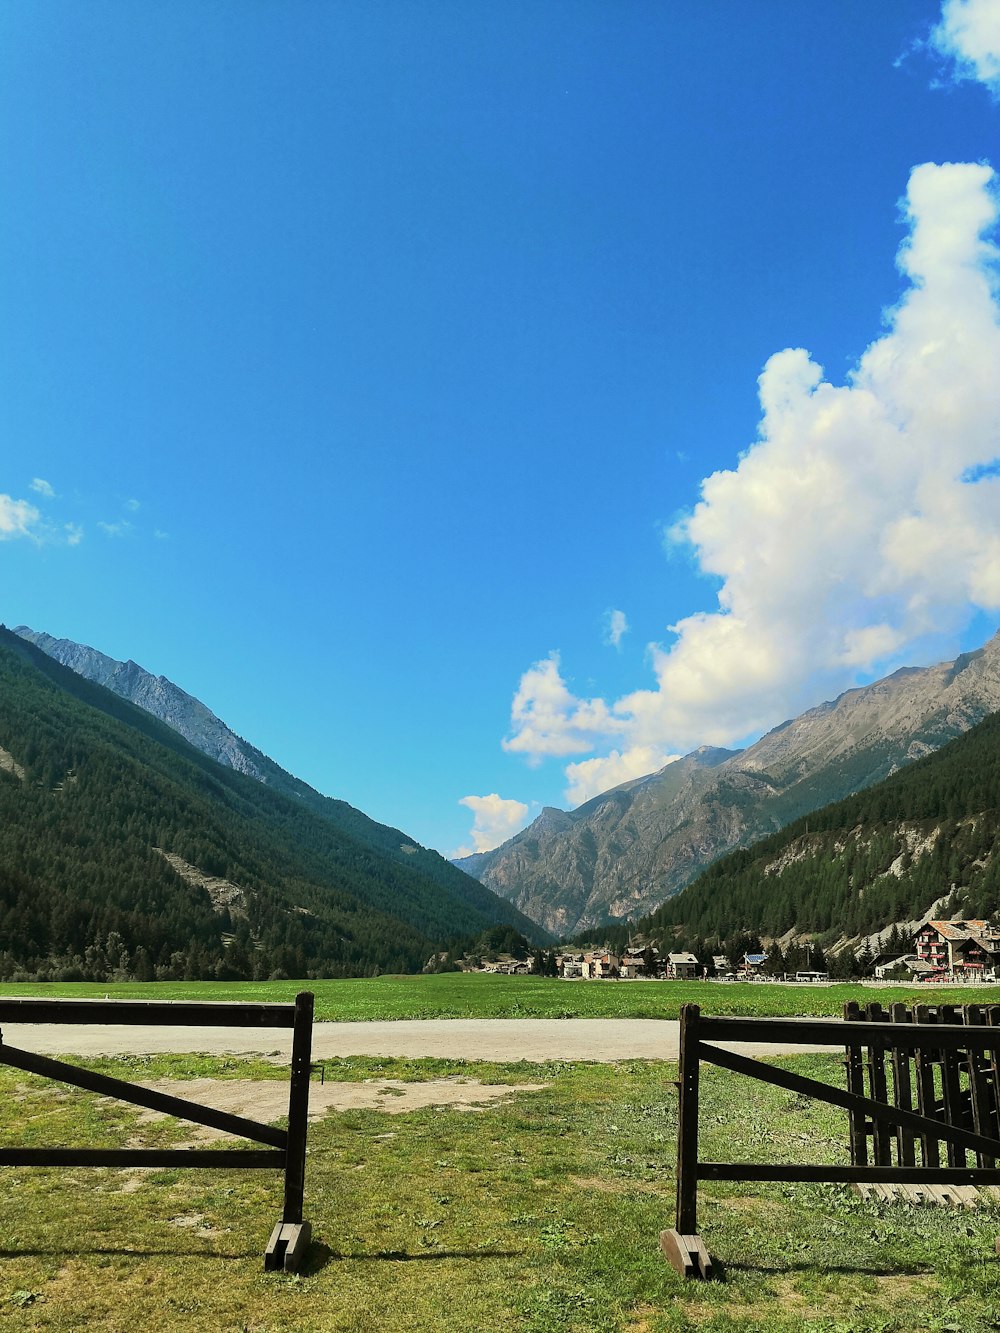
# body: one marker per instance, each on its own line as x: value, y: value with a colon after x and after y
x: 43, y: 487
x: 969, y: 35
x: 18, y: 518
x: 615, y: 627
x: 546, y: 719
x: 865, y: 516
x: 495, y: 820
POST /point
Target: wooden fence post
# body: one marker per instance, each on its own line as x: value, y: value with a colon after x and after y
x: 290, y: 1236
x: 681, y: 1245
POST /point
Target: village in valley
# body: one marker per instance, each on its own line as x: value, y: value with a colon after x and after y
x: 940, y: 951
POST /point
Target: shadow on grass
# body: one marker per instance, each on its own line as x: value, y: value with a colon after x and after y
x: 325, y: 1255
x: 124, y: 1252
x: 317, y: 1256
x: 849, y: 1270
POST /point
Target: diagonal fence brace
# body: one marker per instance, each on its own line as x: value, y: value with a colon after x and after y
x: 91, y: 1081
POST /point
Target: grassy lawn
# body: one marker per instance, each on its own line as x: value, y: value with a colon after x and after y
x: 476, y: 995
x: 541, y: 1214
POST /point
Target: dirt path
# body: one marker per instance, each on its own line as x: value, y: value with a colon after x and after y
x: 268, y: 1101
x: 534, y: 1039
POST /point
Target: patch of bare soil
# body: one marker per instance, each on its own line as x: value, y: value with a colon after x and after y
x: 267, y: 1099
x: 196, y: 1222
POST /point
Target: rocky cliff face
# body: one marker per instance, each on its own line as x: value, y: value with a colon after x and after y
x: 627, y: 850
x: 158, y: 696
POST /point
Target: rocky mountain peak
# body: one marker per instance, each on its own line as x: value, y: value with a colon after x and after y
x: 625, y: 851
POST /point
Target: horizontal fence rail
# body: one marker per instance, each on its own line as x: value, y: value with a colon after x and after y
x: 286, y: 1148
x: 150, y: 1013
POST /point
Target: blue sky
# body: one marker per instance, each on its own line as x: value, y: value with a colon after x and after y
x: 372, y: 369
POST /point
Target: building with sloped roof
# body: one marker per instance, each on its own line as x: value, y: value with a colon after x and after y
x: 962, y: 948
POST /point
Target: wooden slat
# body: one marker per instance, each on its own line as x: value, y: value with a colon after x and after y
x: 878, y: 1091
x: 951, y: 1088
x: 967, y: 1195
x: 902, y: 1090
x: 991, y: 1014
x: 978, y: 1084
x: 926, y: 1099
x: 855, y: 1083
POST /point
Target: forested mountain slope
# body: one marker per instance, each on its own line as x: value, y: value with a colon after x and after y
x: 626, y: 851
x: 94, y: 792
x: 185, y: 714
x: 854, y: 867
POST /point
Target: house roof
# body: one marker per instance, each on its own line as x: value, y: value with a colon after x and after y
x: 960, y: 930
x: 754, y: 959
x: 682, y: 958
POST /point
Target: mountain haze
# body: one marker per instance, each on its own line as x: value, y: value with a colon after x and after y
x: 627, y: 850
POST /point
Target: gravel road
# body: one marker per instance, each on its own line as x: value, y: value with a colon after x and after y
x: 533, y: 1039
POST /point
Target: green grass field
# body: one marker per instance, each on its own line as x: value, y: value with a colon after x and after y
x: 476, y: 995
x: 540, y: 1214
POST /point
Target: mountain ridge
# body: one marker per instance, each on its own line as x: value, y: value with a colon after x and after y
x: 926, y: 837
x: 116, y: 835
x: 186, y: 715
x: 629, y: 849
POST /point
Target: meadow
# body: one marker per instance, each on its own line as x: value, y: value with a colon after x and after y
x: 539, y: 1214
x: 480, y: 995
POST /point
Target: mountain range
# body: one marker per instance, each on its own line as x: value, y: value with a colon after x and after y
x: 193, y: 720
x: 124, y: 849
x: 927, y: 835
x: 619, y: 856
x: 626, y: 851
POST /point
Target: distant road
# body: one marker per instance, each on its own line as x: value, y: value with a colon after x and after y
x: 500, y: 1039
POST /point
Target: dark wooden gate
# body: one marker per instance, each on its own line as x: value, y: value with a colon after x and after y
x: 958, y: 1107
x: 953, y: 1084
x: 285, y: 1149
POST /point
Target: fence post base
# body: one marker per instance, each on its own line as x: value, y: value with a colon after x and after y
x: 287, y: 1246
x: 686, y: 1254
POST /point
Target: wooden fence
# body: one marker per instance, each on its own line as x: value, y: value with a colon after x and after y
x: 954, y: 1077
x: 285, y: 1149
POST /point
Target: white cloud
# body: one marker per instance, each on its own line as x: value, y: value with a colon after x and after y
x: 865, y: 516
x: 590, y: 777
x: 18, y: 518
x: 43, y: 487
x: 123, y: 528
x: 132, y: 505
x: 547, y: 719
x: 615, y: 627
x: 495, y: 820
x: 969, y: 35
x: 74, y: 534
